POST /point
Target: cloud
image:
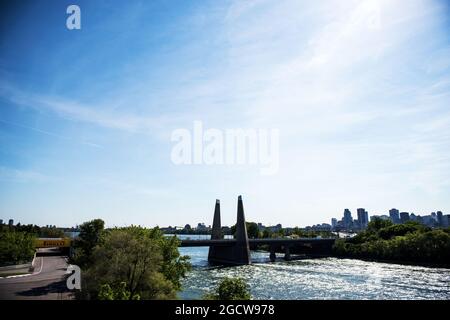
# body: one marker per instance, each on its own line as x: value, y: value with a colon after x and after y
x: 23, y: 176
x: 72, y: 110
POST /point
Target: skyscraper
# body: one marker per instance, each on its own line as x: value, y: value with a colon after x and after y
x: 440, y: 218
x: 333, y: 223
x: 394, y: 215
x: 348, y: 220
x: 363, y: 217
x: 404, y: 216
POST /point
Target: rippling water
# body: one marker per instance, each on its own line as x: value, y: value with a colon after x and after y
x: 326, y: 278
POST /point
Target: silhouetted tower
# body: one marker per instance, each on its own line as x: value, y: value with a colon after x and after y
x: 237, y: 254
x: 217, y: 227
x: 242, y: 246
x: 216, y: 233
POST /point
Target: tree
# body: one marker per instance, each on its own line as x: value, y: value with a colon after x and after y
x: 134, y: 262
x: 51, y: 232
x: 400, y: 229
x: 409, y: 242
x: 266, y: 233
x: 174, y: 266
x: 230, y: 289
x: 377, y: 224
x: 252, y: 230
x: 119, y: 293
x: 16, y: 247
x: 89, y: 237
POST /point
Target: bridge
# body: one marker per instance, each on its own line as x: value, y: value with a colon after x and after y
x: 52, y: 243
x: 237, y: 251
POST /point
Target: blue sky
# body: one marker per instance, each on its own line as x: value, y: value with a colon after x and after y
x: 360, y: 91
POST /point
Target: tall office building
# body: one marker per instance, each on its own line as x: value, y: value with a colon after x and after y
x: 440, y: 218
x: 363, y: 217
x: 333, y: 223
x: 11, y: 222
x: 404, y: 216
x: 434, y: 216
x: 1, y: 221
x: 348, y: 220
x: 394, y: 215
x: 446, y: 220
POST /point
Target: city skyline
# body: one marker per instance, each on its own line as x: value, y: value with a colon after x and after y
x: 359, y: 93
x: 208, y: 224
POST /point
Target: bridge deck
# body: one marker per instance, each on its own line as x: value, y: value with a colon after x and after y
x: 231, y: 242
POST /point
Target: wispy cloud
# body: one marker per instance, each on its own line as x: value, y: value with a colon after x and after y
x: 23, y: 176
x: 51, y: 134
x: 95, y: 114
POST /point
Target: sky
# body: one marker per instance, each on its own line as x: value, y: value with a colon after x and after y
x: 359, y: 91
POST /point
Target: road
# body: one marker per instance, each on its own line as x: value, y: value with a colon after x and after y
x: 46, y: 283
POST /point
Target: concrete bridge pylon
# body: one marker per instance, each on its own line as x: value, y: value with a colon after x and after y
x: 239, y: 253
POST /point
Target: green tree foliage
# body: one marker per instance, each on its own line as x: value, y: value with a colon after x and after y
x: 174, y: 266
x: 401, y: 230
x: 230, y: 289
x: 252, y: 230
x: 134, y: 262
x: 16, y: 247
x: 52, y: 232
x: 89, y: 237
x: 42, y: 232
x: 410, y: 242
x: 377, y: 224
x: 119, y: 293
x: 266, y: 234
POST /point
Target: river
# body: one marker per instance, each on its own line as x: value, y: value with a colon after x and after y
x: 324, y: 278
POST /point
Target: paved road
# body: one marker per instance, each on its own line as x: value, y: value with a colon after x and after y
x: 46, y: 283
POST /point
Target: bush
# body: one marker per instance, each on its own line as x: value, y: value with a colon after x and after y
x: 230, y: 289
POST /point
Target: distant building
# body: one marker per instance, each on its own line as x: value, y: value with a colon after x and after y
x: 440, y: 218
x: 428, y: 221
x: 319, y: 227
x: 434, y: 216
x: 419, y: 218
x: 11, y: 222
x: 446, y: 220
x: 394, y: 215
x: 347, y: 220
x: 201, y: 227
x: 363, y: 217
x: 1, y: 221
x: 404, y: 216
x: 276, y: 228
x: 333, y: 223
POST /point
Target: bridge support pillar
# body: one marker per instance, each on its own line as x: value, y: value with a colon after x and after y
x: 287, y: 253
x: 273, y: 255
x: 216, y: 233
x: 237, y: 254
